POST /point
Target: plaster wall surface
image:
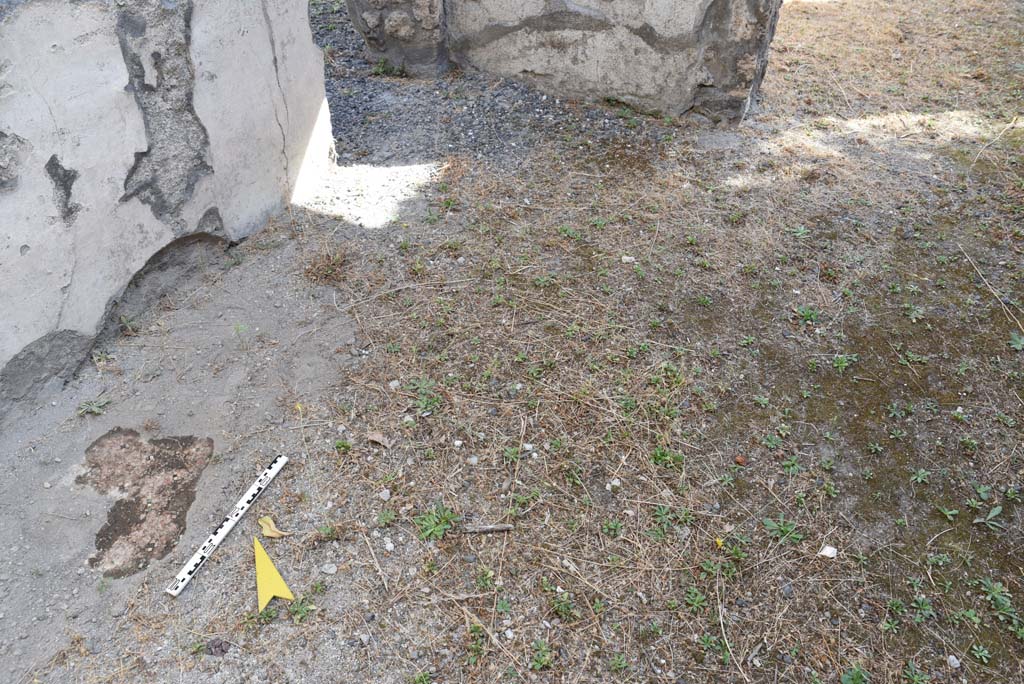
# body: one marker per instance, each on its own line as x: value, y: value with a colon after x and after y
x: 666, y: 56
x: 125, y: 127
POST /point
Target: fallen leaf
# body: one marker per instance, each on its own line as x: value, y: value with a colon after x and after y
x: 379, y: 438
x: 270, y: 529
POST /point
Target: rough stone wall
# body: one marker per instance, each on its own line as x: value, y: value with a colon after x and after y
x: 409, y: 34
x: 125, y: 127
x: 666, y: 56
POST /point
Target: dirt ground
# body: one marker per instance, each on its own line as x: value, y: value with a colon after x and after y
x: 679, y: 365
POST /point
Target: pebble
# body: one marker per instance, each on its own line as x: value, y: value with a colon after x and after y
x: 472, y: 460
x: 509, y: 634
x: 385, y: 495
x: 787, y: 590
x: 953, y: 662
x: 394, y: 384
x: 329, y: 569
x: 46, y: 485
x: 628, y: 259
x: 389, y: 545
x: 217, y: 647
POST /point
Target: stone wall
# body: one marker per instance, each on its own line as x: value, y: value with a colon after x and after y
x: 126, y: 127
x: 409, y: 34
x: 665, y: 56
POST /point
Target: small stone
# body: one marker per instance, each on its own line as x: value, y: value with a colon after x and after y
x: 217, y: 647
x: 400, y: 25
x: 614, y: 485
x: 372, y: 19
x: 787, y: 590
x: 472, y: 460
x: 46, y: 485
x: 458, y: 443
x: 389, y: 545
x: 408, y: 420
x: 828, y: 551
x: 394, y: 384
x: 509, y: 634
x: 329, y: 569
x: 953, y: 662
x: 628, y: 259
x: 384, y: 495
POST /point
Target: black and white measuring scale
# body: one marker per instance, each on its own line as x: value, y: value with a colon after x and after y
x: 214, y: 540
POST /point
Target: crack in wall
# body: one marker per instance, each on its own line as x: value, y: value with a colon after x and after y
x: 277, y: 75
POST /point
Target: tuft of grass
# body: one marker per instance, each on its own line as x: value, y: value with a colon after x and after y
x: 784, y: 531
x: 435, y: 523
x: 384, y: 67
x: 94, y: 407
x: 326, y: 267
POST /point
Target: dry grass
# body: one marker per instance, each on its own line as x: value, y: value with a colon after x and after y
x: 328, y: 266
x: 649, y: 314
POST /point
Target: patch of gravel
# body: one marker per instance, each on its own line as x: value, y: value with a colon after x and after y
x: 389, y: 120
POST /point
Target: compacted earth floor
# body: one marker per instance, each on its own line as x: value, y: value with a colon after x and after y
x: 606, y: 397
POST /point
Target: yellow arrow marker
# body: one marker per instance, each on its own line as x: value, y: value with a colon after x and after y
x: 269, y: 582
